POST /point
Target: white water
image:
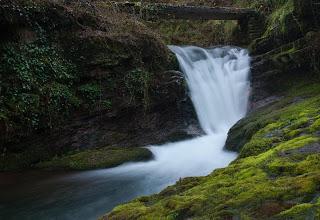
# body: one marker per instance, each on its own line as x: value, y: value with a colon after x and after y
x: 218, y: 83
x: 219, y: 88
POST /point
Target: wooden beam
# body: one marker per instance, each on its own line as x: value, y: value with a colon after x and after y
x: 153, y: 11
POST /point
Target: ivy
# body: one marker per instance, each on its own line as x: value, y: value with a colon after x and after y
x: 90, y: 91
x: 91, y: 94
x: 137, y: 83
x: 36, y: 87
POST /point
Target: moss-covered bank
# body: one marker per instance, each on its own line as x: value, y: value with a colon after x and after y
x: 97, y: 158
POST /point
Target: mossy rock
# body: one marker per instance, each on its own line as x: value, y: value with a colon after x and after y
x: 179, y: 136
x: 281, y: 120
x: 97, y: 158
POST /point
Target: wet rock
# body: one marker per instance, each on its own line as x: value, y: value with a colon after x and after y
x: 308, y: 149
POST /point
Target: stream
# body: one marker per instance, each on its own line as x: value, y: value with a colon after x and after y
x: 218, y: 81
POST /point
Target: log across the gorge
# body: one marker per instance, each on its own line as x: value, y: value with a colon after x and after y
x: 154, y: 11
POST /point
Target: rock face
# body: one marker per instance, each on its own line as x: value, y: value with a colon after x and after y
x: 76, y: 77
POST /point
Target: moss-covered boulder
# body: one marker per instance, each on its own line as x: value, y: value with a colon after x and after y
x: 96, y: 158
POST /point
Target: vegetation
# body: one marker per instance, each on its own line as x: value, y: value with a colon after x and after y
x: 201, y: 33
x: 282, y: 17
x: 97, y: 158
x: 36, y: 86
x: 137, y: 83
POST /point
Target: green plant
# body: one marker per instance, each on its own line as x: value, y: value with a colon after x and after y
x: 137, y: 83
x: 36, y: 85
x: 90, y: 91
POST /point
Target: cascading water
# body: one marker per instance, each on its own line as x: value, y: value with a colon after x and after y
x: 218, y: 83
x: 219, y: 88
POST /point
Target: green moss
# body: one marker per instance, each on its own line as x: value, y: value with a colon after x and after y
x: 299, y: 212
x: 99, y: 158
x: 256, y: 146
x: 133, y: 211
x: 315, y: 126
x: 280, y: 121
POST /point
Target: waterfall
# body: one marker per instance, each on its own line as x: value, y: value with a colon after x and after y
x: 218, y: 82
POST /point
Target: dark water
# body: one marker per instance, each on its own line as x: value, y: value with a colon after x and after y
x: 76, y: 195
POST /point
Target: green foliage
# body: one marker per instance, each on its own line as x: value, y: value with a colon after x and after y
x: 58, y: 60
x: 36, y: 85
x: 90, y: 91
x: 277, y: 21
x: 279, y: 13
x: 137, y: 83
x: 92, y: 96
x: 106, y: 104
x: 262, y: 5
